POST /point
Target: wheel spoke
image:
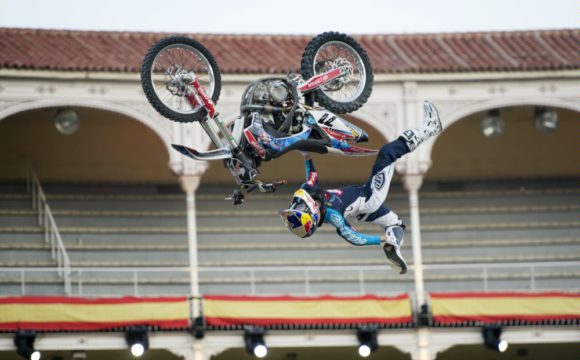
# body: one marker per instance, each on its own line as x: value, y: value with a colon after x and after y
x: 346, y: 89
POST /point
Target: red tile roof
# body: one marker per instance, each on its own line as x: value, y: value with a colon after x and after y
x: 455, y: 52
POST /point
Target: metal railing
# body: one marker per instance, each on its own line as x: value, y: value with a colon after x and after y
x: 132, y: 281
x: 51, y: 233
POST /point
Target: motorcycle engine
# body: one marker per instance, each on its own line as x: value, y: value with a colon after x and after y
x: 271, y: 97
x: 278, y: 92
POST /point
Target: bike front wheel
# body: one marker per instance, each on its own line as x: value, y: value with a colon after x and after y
x: 167, y: 71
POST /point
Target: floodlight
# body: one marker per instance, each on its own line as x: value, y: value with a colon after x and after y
x: 66, y: 121
x: 24, y: 342
x: 492, y: 125
x: 137, y: 340
x: 254, y: 340
x: 491, y: 334
x: 546, y: 120
x: 367, y: 338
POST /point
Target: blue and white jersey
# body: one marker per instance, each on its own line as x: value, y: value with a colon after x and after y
x: 355, y: 203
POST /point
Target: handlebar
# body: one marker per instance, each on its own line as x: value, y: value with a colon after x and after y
x: 238, y: 195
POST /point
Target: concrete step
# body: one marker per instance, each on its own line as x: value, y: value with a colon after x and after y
x: 36, y: 236
x: 366, y: 253
x: 125, y: 203
x: 570, y: 227
x: 396, y: 186
x: 283, y: 245
x: 32, y: 289
x: 12, y: 187
x: 433, y: 238
x: 426, y: 220
x: 287, y: 252
x: 554, y: 230
x: 399, y: 202
x: 111, y: 188
x: 376, y: 258
x: 111, y: 221
x: 18, y: 221
x: 19, y: 202
x: 130, y: 255
x: 112, y: 201
x: 234, y: 217
x: 25, y: 255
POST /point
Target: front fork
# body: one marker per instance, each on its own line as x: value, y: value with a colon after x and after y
x: 240, y: 164
x: 242, y: 171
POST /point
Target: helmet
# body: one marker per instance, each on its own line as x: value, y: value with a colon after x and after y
x: 303, y: 215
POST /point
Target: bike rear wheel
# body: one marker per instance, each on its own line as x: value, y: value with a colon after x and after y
x: 332, y: 50
x: 167, y: 71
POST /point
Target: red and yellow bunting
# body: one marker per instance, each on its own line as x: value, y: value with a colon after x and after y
x: 322, y: 310
x: 499, y: 307
x: 69, y: 313
x: 85, y: 314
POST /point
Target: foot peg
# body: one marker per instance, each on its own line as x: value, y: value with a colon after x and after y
x: 270, y: 188
x: 237, y: 197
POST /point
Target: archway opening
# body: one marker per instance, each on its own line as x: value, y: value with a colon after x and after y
x: 463, y: 152
x: 107, y: 147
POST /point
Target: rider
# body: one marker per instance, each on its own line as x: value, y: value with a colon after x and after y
x: 312, y: 206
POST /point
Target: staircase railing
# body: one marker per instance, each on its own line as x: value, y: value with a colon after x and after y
x: 51, y: 233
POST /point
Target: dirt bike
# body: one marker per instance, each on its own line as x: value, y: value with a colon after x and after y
x: 182, y: 81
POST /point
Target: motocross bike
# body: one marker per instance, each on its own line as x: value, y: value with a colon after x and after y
x: 182, y: 81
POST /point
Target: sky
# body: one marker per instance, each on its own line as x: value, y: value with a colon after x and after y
x: 292, y: 17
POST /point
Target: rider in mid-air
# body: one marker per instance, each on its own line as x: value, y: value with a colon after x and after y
x: 312, y: 206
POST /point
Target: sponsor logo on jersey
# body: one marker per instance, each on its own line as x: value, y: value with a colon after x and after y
x: 379, y: 181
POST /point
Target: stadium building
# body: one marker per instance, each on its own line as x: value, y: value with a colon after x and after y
x: 109, y: 237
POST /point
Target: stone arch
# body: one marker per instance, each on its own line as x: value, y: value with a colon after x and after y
x: 148, y: 121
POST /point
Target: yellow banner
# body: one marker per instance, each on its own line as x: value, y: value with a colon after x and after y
x: 224, y: 310
x: 64, y: 313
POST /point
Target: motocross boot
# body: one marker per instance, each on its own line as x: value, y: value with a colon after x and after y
x: 392, y: 248
x: 431, y: 126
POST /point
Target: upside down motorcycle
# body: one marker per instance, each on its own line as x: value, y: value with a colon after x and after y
x: 182, y: 81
